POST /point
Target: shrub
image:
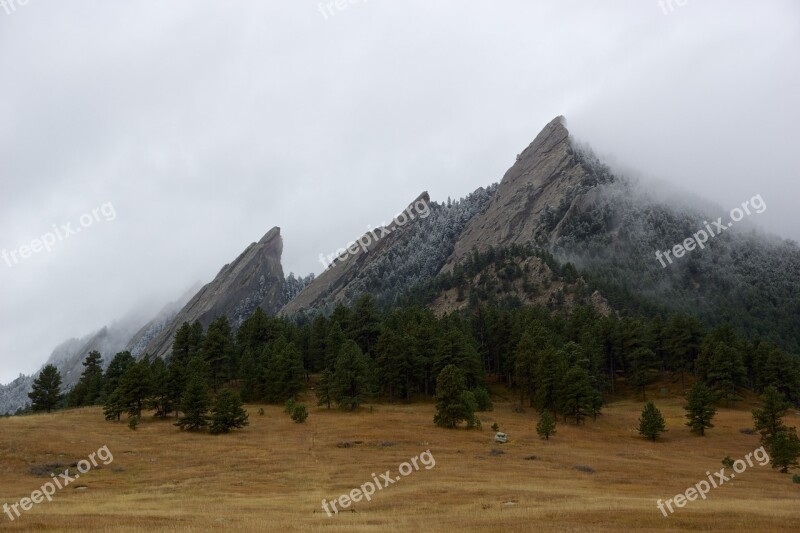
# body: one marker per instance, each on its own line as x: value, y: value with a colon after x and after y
x: 299, y: 413
x: 728, y: 462
x: 796, y: 478
x: 483, y: 400
x: 261, y: 411
x: 133, y: 422
x: 289, y: 407
x: 495, y: 427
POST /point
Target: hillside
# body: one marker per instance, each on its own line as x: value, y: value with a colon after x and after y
x: 273, y: 475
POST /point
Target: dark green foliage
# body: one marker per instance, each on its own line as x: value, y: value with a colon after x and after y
x: 89, y: 389
x: 46, y: 390
x: 642, y: 363
x: 351, y: 376
x: 299, y: 413
x: 288, y: 407
x: 217, y: 351
x: 454, y: 403
x: 325, y: 388
x: 651, y: 423
x: 284, y: 372
x: 113, y: 408
x: 227, y: 413
x: 495, y: 427
x: 784, y: 450
x: 728, y: 462
x: 133, y: 422
x: 135, y: 387
x: 546, y: 427
x: 796, y: 479
x: 161, y: 398
x: 768, y: 421
x: 483, y: 400
x: 700, y: 408
x: 119, y: 364
x: 195, y: 404
x: 576, y: 395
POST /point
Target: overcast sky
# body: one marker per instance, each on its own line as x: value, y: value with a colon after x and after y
x: 204, y: 124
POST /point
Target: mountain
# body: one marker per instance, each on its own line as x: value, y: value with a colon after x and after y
x: 394, y: 258
x: 559, y: 198
x: 545, y: 174
x: 255, y: 279
x: 137, y: 344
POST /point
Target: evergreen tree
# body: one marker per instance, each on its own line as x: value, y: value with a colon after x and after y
x: 651, y: 423
x: 351, y: 376
x: 768, y: 420
x: 784, y: 449
x: 217, y: 351
x: 89, y: 388
x: 642, y: 363
x: 284, y: 373
x: 700, y: 409
x: 113, y: 408
x: 576, y: 395
x: 525, y: 362
x: 46, y: 390
x: 547, y: 425
x: 333, y: 345
x: 724, y: 372
x: 195, y: 404
x: 161, y: 396
x: 227, y: 413
x: 325, y: 388
x: 135, y: 387
x: 119, y: 364
x: 452, y: 399
x: 549, y: 374
x: 182, y: 344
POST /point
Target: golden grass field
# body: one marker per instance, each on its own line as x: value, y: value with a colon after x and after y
x: 273, y: 475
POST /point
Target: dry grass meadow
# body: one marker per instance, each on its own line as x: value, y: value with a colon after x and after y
x: 273, y: 475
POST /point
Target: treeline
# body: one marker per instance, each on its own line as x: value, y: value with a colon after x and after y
x: 564, y: 363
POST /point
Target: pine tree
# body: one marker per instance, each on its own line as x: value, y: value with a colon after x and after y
x: 700, y: 409
x: 119, y: 364
x: 351, y: 376
x: 547, y: 425
x: 642, y: 364
x: 46, y: 390
x: 576, y: 394
x: 768, y: 421
x: 89, y: 388
x: 452, y: 400
x: 724, y: 372
x: 135, y: 387
x: 651, y: 423
x: 195, y: 404
x: 113, y: 408
x: 227, y: 413
x: 161, y: 397
x: 217, y: 351
x: 525, y: 362
x: 284, y: 373
x: 784, y: 449
x: 324, y: 388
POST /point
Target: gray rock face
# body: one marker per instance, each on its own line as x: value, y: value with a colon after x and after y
x: 338, y: 283
x: 544, y: 174
x: 149, y: 331
x: 255, y: 279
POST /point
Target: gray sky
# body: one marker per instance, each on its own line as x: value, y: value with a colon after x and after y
x: 206, y: 123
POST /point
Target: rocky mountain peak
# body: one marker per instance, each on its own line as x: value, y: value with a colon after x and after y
x: 545, y: 175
